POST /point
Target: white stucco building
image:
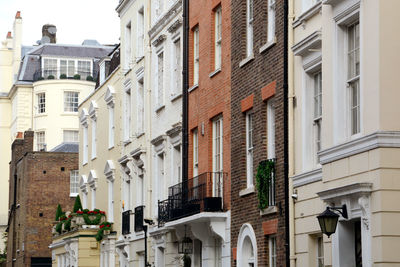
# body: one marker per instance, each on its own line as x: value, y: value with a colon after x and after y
x: 344, y: 138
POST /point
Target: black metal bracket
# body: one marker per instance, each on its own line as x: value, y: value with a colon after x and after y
x: 342, y: 210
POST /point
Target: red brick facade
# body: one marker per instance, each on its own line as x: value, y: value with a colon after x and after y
x: 212, y: 96
x: 42, y: 182
x: 259, y: 79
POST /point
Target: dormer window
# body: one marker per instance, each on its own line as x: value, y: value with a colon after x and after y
x: 66, y: 68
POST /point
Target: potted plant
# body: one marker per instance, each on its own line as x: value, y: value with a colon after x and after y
x: 89, y: 78
x: 50, y: 77
x: 77, y: 77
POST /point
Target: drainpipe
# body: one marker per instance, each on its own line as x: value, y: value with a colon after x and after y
x: 291, y: 99
x: 285, y: 131
x: 185, y: 96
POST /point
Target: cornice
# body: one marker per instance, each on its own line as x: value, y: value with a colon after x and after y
x: 307, y: 177
x: 375, y: 140
x: 317, y: 8
x: 339, y: 192
x: 313, y: 40
x: 165, y: 19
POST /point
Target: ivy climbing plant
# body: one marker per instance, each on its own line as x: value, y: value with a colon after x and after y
x: 264, y: 179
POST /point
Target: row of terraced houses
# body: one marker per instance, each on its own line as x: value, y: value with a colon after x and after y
x: 213, y: 135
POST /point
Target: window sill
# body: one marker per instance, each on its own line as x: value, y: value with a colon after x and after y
x: 307, y: 14
x: 193, y: 87
x: 41, y: 115
x: 268, y: 45
x: 269, y: 210
x: 247, y: 191
x: 127, y: 142
x: 84, y: 163
x: 159, y: 108
x: 126, y: 71
x: 215, y: 72
x: 93, y: 158
x: 73, y: 194
x: 110, y: 147
x: 69, y: 114
x: 175, y: 97
x: 139, y: 134
x: 246, y: 60
x: 138, y: 59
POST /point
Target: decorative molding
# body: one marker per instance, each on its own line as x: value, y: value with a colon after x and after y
x: 314, y: 40
x: 356, y: 189
x: 159, y: 143
x: 140, y: 73
x: 312, y: 64
x: 83, y: 117
x: 175, y: 130
x: 83, y: 184
x: 93, y: 109
x: 109, y: 170
x: 347, y: 11
x: 109, y: 97
x: 307, y: 177
x: 159, y: 40
x: 127, y: 85
x: 317, y: 8
x: 381, y: 139
x: 92, y: 179
x: 165, y: 19
x: 123, y: 6
x: 175, y: 26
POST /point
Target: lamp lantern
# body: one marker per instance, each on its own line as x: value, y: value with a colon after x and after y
x: 328, y: 219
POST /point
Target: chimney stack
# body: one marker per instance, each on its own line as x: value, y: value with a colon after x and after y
x: 49, y: 34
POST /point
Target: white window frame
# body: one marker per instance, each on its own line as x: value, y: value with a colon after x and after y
x: 271, y: 128
x: 128, y: 46
x: 40, y: 140
x: 71, y: 101
x: 73, y: 133
x: 85, y: 145
x: 195, y: 153
x: 249, y: 149
x: 218, y: 37
x: 41, y: 103
x: 217, y: 155
x: 161, y: 181
x: 271, y: 20
x: 111, y: 126
x: 160, y: 78
x: 140, y: 35
x: 177, y: 67
x: 249, y: 27
x: 70, y: 66
x: 73, y: 183
x: 272, y: 257
x: 353, y: 79
x: 317, y: 113
x: 196, y: 58
x: 94, y: 138
x: 140, y: 116
x: 140, y: 189
x: 49, y: 67
x: 127, y: 113
x: 71, y: 71
x: 320, y: 251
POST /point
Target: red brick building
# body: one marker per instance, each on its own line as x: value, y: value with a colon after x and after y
x: 39, y: 181
x: 258, y: 230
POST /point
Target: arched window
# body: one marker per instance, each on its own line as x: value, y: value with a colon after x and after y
x: 247, y: 247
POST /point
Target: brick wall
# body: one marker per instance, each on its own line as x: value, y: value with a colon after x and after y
x: 41, y: 185
x: 257, y: 77
x: 212, y: 97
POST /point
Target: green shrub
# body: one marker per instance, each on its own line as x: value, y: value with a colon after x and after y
x: 40, y: 78
x: 77, y: 204
x: 265, y: 174
x: 63, y: 76
x: 77, y: 77
x: 89, y: 78
x: 59, y: 212
x: 50, y: 77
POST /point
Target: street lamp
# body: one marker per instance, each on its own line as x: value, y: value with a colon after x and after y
x: 328, y: 219
x: 186, y: 245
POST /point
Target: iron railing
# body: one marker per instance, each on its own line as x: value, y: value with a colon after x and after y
x: 60, y: 73
x: 126, y: 222
x: 198, y: 194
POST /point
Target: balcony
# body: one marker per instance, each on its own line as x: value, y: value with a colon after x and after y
x: 62, y: 73
x: 202, y: 193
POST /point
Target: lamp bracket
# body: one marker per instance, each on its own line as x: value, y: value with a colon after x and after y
x: 342, y: 210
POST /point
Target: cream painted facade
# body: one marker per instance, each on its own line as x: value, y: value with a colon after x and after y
x: 135, y: 158
x: 344, y: 136
x: 100, y: 177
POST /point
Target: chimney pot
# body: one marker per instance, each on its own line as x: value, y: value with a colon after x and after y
x: 9, y: 35
x: 20, y: 135
x: 18, y: 15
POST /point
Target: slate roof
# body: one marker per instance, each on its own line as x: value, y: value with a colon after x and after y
x: 31, y: 62
x: 66, y: 147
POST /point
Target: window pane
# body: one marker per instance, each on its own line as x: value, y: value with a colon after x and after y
x: 71, y: 100
x: 41, y: 102
x: 71, y: 136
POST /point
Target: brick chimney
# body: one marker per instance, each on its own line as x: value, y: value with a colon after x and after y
x: 21, y: 145
x: 49, y: 34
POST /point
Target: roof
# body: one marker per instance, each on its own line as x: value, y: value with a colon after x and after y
x: 31, y: 62
x: 66, y: 147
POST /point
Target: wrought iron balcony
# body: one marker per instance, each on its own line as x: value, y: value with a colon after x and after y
x: 62, y: 73
x: 126, y: 222
x: 198, y: 194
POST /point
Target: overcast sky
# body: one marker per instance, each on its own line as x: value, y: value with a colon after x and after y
x: 76, y: 20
